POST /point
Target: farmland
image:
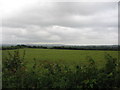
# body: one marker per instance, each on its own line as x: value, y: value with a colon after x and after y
x: 69, y: 57
x: 59, y: 68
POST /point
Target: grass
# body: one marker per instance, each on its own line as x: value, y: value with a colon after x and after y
x: 60, y: 69
x: 68, y: 57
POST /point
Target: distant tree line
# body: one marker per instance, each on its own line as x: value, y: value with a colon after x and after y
x: 105, y: 47
x: 13, y: 47
x: 87, y: 47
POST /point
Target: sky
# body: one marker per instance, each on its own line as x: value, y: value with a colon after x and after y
x: 71, y: 23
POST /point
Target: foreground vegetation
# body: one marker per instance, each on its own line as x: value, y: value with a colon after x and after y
x: 48, y: 74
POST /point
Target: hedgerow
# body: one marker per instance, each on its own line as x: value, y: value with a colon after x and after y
x: 46, y: 74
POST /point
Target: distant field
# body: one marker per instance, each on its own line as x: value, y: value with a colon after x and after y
x: 70, y: 57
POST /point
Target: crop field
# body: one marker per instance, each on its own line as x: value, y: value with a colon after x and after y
x: 68, y: 57
x: 60, y: 68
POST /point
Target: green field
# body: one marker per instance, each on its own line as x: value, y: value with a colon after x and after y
x: 58, y: 68
x: 68, y: 57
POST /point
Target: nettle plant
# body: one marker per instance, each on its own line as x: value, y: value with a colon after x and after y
x: 14, y: 62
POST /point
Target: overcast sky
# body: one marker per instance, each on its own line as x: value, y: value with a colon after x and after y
x: 78, y: 23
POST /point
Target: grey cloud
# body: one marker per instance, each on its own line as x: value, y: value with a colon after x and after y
x: 57, y: 34
x: 64, y: 14
x: 66, y: 22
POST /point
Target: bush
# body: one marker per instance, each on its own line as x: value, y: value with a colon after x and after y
x: 48, y: 74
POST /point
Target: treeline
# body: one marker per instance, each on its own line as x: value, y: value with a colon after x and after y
x: 106, y: 47
x: 13, y: 47
x: 46, y: 74
x: 87, y: 47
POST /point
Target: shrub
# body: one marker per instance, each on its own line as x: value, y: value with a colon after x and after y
x: 48, y: 74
